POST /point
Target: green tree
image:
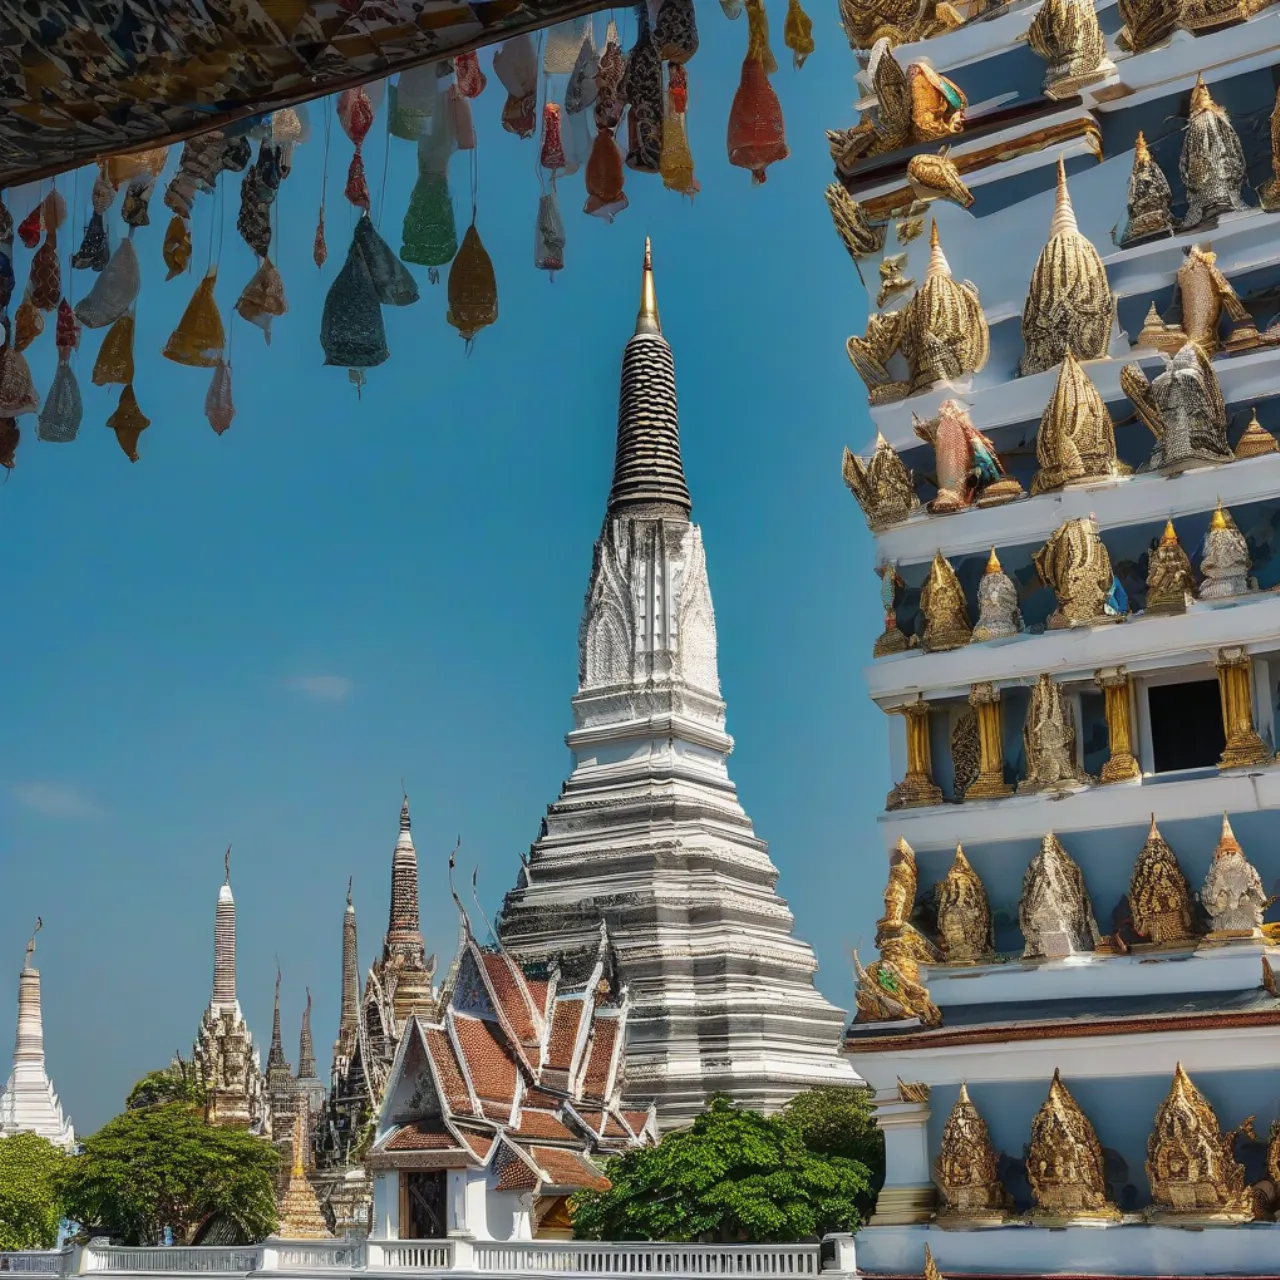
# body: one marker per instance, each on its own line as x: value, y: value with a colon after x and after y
x: 734, y: 1175
x: 178, y: 1082
x: 163, y: 1166
x: 30, y: 1199
x: 836, y: 1120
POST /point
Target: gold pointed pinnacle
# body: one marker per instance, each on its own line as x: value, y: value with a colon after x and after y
x: 1201, y: 100
x: 1141, y: 152
x: 1167, y: 539
x: 993, y: 562
x: 1219, y: 520
x: 647, y: 320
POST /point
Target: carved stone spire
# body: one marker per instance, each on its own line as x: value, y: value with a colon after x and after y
x: 300, y: 1215
x: 1212, y: 163
x: 405, y: 972
x: 1232, y: 893
x: 349, y: 1013
x: 964, y: 915
x: 1149, y: 199
x: 224, y: 943
x: 1064, y: 1163
x: 1055, y: 913
x: 1077, y: 439
x: 306, y: 1047
x: 275, y: 1055
x: 945, y: 610
x: 1159, y: 897
x: 648, y: 474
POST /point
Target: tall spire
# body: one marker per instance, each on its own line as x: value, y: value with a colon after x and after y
x: 306, y: 1049
x: 28, y: 1102
x: 648, y: 474
x: 345, y: 1044
x: 402, y: 924
x: 224, y: 942
x: 275, y: 1055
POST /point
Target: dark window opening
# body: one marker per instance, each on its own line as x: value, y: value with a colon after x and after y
x: 1186, y: 725
x: 422, y: 1205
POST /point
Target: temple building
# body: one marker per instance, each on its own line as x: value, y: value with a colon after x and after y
x: 1073, y: 1023
x: 496, y: 1109
x: 647, y: 834
x: 28, y: 1103
x: 223, y: 1051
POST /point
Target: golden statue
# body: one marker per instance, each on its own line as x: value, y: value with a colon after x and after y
x: 1049, y: 741
x: 1224, y: 559
x: 889, y: 128
x: 1197, y: 15
x: 1160, y: 336
x: 882, y: 486
x: 998, y: 612
x: 1205, y: 293
x: 1170, y: 581
x: 1212, y: 162
x: 892, y: 280
x: 937, y: 178
x: 1069, y: 305
x: 898, y: 940
x: 1159, y: 897
x: 1150, y: 199
x: 1054, y: 912
x: 1255, y: 441
x: 892, y: 589
x: 1147, y: 22
x: 1075, y: 563
x: 1269, y: 192
x: 1191, y: 1163
x: 1064, y: 1164
x: 968, y: 467
x: 1183, y: 408
x: 937, y: 104
x: 870, y: 356
x: 946, y: 613
x: 964, y: 916
x: 898, y: 21
x: 968, y: 1168
x: 1077, y: 439
x: 859, y: 235
x: 888, y: 992
x: 1232, y: 893
x: 1065, y: 33
x: 944, y: 333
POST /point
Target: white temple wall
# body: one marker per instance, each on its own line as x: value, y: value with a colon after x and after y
x: 386, y: 1205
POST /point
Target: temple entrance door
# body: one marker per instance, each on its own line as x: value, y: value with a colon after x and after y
x: 422, y: 1205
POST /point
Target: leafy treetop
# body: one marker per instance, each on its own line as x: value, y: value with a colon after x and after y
x: 30, y: 1203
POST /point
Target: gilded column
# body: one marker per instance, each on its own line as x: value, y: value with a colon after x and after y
x: 917, y: 788
x: 1244, y: 746
x: 984, y: 698
x: 1117, y: 689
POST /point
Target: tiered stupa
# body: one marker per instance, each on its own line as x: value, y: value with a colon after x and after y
x: 28, y: 1103
x: 223, y: 1051
x: 648, y: 834
x: 1073, y: 1037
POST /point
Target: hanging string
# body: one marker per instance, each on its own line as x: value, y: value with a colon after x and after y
x: 382, y: 186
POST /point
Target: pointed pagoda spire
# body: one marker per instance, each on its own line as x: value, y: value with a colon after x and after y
x: 1064, y: 214
x: 402, y: 924
x: 30, y: 1042
x: 275, y: 1055
x: 938, y: 264
x: 345, y: 1044
x: 299, y: 1210
x: 306, y: 1048
x: 648, y: 474
x: 224, y: 942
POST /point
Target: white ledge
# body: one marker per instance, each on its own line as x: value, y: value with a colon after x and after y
x: 1249, y: 378
x: 1130, y: 1249
x: 942, y: 826
x: 1127, y: 500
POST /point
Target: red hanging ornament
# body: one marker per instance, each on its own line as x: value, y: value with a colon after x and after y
x: 552, y: 144
x: 678, y: 87
x: 357, y: 188
x: 319, y: 249
x: 756, y: 135
x: 29, y: 228
x: 67, y: 331
x: 471, y: 80
x: 355, y: 114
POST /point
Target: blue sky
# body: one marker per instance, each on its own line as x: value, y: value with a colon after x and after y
x: 253, y: 638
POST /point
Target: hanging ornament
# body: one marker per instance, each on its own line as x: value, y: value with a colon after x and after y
x: 94, y: 251
x: 263, y: 298
x: 177, y: 246
x: 471, y: 80
x: 355, y: 113
x: 392, y: 283
x: 18, y: 394
x: 411, y: 102
x: 134, y: 164
x: 580, y: 93
x: 357, y: 187
x: 643, y: 89
x: 562, y: 44
x: 287, y: 127
x: 136, y: 199
x: 29, y: 227
x: 114, y: 365
x: 319, y: 249
x: 54, y: 210
x: 610, y: 79
x: 464, y: 129
x: 473, y: 288
x: 756, y: 134
x: 10, y: 437
x: 7, y: 280
x: 257, y: 194
x: 203, y: 158
x: 516, y: 65
x: 59, y: 420
x: 430, y: 233
x: 677, y: 159
x: 66, y: 332
x: 28, y: 323
x: 732, y: 8
x: 549, y: 237
x: 605, y: 178
x: 352, y: 332
x: 797, y: 33
x: 103, y: 195
x: 128, y: 422
x: 675, y: 31
x: 45, y: 281
x: 218, y: 406
x: 199, y: 338
x: 6, y: 224
x: 552, y: 148
x: 114, y: 291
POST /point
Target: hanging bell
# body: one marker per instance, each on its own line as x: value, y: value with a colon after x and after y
x: 430, y: 233
x: 128, y: 422
x: 59, y: 421
x: 473, y: 287
x: 392, y: 284
x: 199, y: 338
x: 263, y: 298
x: 114, y: 365
x: 218, y: 406
x: 114, y: 291
x: 352, y: 331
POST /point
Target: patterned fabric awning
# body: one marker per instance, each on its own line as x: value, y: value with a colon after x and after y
x: 84, y: 78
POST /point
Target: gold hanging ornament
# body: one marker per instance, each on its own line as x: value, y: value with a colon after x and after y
x: 473, y: 287
x: 177, y: 246
x: 114, y: 365
x: 199, y: 339
x: 128, y: 422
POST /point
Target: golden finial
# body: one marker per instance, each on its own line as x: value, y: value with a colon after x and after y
x: 938, y: 264
x: 993, y: 562
x: 647, y: 320
x: 1167, y: 539
x: 1141, y: 152
x: 1200, y: 97
x: 299, y: 1144
x: 1227, y: 842
x: 1219, y: 520
x: 931, y: 1271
